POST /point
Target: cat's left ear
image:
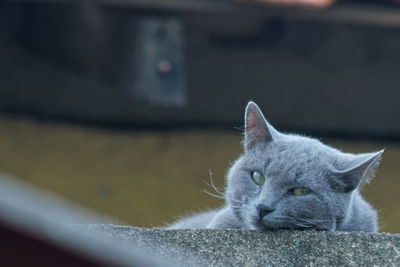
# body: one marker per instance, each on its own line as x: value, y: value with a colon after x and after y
x: 257, y: 129
x: 361, y: 169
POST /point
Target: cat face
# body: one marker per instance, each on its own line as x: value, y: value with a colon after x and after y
x: 290, y: 181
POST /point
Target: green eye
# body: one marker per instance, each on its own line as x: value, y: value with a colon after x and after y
x: 258, y: 178
x: 300, y: 191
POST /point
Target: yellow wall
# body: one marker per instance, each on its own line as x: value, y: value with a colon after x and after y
x: 148, y: 178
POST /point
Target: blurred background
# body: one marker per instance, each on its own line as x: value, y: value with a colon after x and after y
x: 126, y: 107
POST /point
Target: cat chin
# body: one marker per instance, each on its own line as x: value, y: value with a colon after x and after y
x: 262, y: 227
x: 257, y: 224
x: 276, y: 228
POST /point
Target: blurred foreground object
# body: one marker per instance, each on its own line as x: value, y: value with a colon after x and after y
x: 39, y: 229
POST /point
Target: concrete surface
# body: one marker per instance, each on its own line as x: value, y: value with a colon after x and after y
x: 32, y: 219
x: 254, y: 248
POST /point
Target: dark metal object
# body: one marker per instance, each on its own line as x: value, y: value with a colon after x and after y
x: 155, y: 70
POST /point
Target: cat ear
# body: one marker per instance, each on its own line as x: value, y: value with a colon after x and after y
x: 360, y: 169
x: 257, y: 129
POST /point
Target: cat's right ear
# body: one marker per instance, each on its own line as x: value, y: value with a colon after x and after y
x: 360, y: 169
x: 257, y: 129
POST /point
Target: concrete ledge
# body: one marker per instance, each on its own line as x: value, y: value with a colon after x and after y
x: 253, y: 248
x: 52, y: 232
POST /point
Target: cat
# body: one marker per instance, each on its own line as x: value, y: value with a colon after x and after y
x: 289, y: 181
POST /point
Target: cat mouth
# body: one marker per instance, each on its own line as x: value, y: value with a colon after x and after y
x: 271, y: 226
x: 263, y: 227
x: 259, y: 224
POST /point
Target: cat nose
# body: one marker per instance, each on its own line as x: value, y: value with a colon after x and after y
x: 263, y: 210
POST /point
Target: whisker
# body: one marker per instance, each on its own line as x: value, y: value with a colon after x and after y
x: 235, y: 200
x: 212, y: 194
x: 218, y: 194
x: 213, y: 185
x: 217, y: 191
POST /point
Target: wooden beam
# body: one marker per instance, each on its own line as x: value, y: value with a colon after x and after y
x: 347, y: 13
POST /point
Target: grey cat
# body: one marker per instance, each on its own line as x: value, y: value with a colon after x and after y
x: 288, y: 181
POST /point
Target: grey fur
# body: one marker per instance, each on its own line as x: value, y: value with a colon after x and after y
x: 288, y: 161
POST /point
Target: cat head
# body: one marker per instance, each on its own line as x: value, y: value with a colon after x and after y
x: 287, y: 181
